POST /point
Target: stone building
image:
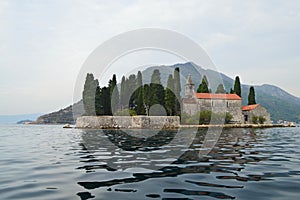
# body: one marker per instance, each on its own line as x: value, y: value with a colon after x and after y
x: 257, y: 111
x: 192, y: 103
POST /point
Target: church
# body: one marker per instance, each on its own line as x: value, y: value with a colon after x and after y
x: 193, y: 102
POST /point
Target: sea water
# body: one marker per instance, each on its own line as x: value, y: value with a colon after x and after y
x: 49, y: 162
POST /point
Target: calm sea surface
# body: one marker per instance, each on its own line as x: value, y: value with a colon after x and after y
x: 49, y: 162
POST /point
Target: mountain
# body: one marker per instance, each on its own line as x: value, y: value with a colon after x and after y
x: 279, y: 103
x: 12, y: 119
x: 63, y: 116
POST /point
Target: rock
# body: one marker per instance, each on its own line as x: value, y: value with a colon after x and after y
x: 67, y: 126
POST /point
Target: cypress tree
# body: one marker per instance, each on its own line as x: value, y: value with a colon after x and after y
x: 114, y: 93
x: 251, y: 96
x: 203, y: 87
x: 177, y: 90
x: 130, y: 88
x: 98, y: 102
x: 157, y: 89
x: 122, y: 93
x: 105, y: 97
x: 237, y: 86
x: 139, y: 108
x: 220, y: 89
x: 89, y: 93
x: 155, y: 78
x: 170, y: 96
x: 147, y: 98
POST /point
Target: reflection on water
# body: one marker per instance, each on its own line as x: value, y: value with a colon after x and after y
x: 48, y: 162
x: 223, y: 165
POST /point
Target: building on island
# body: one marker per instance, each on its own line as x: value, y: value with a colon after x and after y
x: 251, y: 112
x: 193, y: 102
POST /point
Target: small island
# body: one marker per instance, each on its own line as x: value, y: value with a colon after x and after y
x: 153, y: 106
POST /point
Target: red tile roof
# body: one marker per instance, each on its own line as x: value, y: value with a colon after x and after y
x: 217, y: 96
x: 249, y: 107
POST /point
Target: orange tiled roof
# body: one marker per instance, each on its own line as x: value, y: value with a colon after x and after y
x: 217, y: 96
x: 249, y: 107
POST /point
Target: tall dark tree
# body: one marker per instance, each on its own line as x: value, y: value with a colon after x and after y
x: 147, y: 98
x: 203, y: 87
x: 105, y: 99
x: 98, y: 101
x: 170, y: 96
x: 220, y: 89
x: 158, y: 90
x: 237, y: 86
x: 114, y: 93
x: 177, y: 90
x: 122, y: 93
x: 155, y: 78
x: 139, y: 103
x: 89, y: 93
x: 130, y: 87
x: 251, y: 96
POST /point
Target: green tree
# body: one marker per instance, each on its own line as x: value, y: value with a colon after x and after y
x: 114, y: 93
x: 139, y: 104
x: 170, y: 96
x: 130, y: 87
x: 122, y: 94
x: 158, y: 90
x: 105, y: 99
x: 155, y: 78
x: 220, y: 89
x: 147, y: 98
x: 98, y: 101
x: 255, y: 119
x: 177, y: 91
x: 261, y: 119
x: 237, y: 86
x: 89, y: 93
x: 231, y: 91
x: 203, y: 87
x: 251, y: 96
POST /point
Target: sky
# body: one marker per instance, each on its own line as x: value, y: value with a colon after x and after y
x: 43, y: 44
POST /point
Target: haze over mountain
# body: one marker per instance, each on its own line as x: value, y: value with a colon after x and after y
x: 279, y: 103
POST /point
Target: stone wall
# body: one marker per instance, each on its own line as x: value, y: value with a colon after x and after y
x: 149, y: 122
x: 258, y: 111
x: 234, y: 107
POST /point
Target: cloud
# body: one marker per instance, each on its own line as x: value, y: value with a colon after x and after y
x: 44, y: 43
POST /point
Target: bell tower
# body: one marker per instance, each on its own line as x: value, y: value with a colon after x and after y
x: 189, y: 87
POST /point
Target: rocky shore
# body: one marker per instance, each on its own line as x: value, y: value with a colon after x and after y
x: 154, y: 122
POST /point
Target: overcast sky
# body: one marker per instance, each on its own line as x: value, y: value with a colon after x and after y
x: 44, y: 43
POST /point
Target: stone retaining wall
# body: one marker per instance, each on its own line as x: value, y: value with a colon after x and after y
x: 149, y: 122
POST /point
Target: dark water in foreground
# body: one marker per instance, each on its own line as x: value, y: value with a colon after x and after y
x: 48, y: 162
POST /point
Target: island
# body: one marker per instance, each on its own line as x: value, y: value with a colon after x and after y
x: 153, y: 106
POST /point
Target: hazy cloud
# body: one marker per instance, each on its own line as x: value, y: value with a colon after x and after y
x: 44, y: 43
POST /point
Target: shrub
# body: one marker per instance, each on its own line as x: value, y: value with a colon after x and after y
x: 125, y: 112
x: 206, y: 117
x: 261, y: 119
x: 254, y: 119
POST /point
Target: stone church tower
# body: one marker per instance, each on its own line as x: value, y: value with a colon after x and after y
x: 189, y: 87
x: 189, y: 101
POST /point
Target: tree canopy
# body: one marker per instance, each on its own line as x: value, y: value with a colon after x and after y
x: 251, y: 96
x: 203, y: 87
x: 220, y: 89
x: 237, y: 86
